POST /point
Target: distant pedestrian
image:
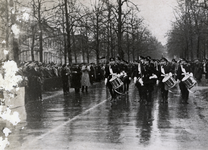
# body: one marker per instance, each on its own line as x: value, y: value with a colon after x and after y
x: 64, y: 76
x: 98, y: 72
x: 76, y: 77
x: 92, y: 73
x: 85, y: 80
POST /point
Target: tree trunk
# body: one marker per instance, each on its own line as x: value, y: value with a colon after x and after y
x: 120, y: 51
x: 74, y: 47
x: 68, y: 33
x: 128, y: 47
x: 40, y: 33
x: 97, y: 39
x: 197, y: 47
x: 64, y: 36
x: 32, y: 45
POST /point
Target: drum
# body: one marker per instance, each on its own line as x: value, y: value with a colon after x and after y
x: 116, y: 82
x: 169, y: 81
x: 189, y: 81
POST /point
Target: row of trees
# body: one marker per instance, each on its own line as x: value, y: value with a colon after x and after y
x: 102, y: 29
x: 189, y: 35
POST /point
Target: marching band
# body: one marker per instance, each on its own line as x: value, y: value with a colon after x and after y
x: 146, y: 73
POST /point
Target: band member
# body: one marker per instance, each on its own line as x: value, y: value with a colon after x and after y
x: 111, y: 71
x: 164, y: 70
x: 149, y: 79
x: 174, y: 67
x: 184, y: 69
x: 125, y: 74
x: 138, y: 75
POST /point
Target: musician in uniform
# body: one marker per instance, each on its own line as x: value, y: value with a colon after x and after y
x: 165, y: 70
x: 111, y: 71
x: 147, y: 79
x: 138, y: 75
x: 174, y: 67
x: 184, y: 69
x: 125, y: 74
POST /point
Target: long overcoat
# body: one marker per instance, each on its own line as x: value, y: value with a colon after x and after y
x: 76, y: 77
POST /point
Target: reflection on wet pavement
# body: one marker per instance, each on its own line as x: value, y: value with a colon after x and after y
x: 87, y: 121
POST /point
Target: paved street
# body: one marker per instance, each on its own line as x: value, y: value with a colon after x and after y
x: 86, y: 121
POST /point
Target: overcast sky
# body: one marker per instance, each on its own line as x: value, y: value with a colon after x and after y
x: 158, y: 15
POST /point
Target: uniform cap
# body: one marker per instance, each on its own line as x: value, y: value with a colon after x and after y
x: 148, y: 58
x: 112, y: 59
x: 163, y: 59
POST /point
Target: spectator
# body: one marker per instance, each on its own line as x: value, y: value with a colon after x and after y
x: 85, y: 80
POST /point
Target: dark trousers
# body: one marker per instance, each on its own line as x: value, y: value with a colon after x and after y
x: 141, y: 90
x: 164, y: 92
x: 76, y: 90
x: 85, y: 88
x: 126, y: 83
x: 65, y: 86
x: 111, y: 90
x: 147, y: 91
x: 184, y: 91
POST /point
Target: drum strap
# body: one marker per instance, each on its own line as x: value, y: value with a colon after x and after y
x: 156, y: 66
x: 110, y: 69
x: 120, y: 93
x: 162, y: 70
x: 139, y: 68
x: 191, y: 91
x: 204, y: 67
x: 182, y: 69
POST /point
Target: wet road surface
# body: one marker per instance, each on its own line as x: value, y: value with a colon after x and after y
x: 87, y: 121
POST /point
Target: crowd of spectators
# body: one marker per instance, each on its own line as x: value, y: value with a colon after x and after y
x: 39, y: 77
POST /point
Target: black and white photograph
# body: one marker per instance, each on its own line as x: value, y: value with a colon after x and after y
x: 103, y: 74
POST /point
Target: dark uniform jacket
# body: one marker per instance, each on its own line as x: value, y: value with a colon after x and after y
x: 180, y: 74
x: 115, y: 69
x: 147, y: 72
x: 167, y: 69
x: 136, y: 72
